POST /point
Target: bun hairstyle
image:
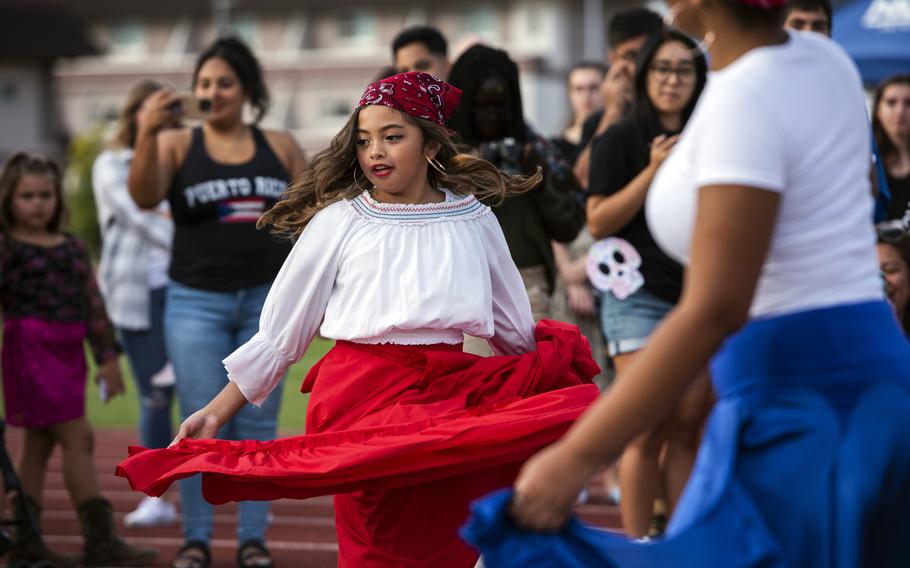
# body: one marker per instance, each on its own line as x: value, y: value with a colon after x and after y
x: 240, y: 59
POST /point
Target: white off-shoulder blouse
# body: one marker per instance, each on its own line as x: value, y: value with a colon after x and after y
x: 372, y: 272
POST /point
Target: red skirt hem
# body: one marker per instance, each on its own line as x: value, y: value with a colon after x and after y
x: 384, y: 417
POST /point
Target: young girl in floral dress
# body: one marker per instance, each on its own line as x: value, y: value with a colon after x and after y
x: 396, y: 258
x: 51, y: 305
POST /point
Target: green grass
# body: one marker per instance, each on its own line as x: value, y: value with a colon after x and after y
x: 123, y: 411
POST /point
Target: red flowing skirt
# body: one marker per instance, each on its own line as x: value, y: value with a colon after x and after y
x: 406, y: 435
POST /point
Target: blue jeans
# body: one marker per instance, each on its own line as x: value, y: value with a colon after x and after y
x: 203, y: 328
x: 627, y: 324
x: 146, y: 352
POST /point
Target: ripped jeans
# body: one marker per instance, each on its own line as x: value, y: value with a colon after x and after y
x: 147, y: 356
x: 202, y: 328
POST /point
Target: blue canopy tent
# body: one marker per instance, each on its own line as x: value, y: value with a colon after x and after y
x: 876, y: 34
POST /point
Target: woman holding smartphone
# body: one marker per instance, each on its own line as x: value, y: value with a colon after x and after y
x: 218, y: 177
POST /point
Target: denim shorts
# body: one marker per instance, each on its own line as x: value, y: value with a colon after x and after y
x: 628, y: 323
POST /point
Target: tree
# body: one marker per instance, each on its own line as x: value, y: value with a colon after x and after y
x: 83, y: 217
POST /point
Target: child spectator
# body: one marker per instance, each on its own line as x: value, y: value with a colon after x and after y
x: 51, y: 305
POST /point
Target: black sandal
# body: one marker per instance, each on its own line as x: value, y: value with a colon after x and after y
x: 252, y: 553
x: 188, y: 557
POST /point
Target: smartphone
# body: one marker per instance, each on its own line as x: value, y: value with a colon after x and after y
x: 188, y: 106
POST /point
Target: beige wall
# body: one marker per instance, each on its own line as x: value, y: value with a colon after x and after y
x: 316, y: 75
x: 27, y: 117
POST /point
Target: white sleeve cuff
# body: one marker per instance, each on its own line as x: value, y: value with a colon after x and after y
x: 256, y: 367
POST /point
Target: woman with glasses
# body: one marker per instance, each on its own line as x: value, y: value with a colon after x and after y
x: 893, y: 248
x: 640, y: 284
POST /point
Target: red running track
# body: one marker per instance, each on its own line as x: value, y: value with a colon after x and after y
x: 302, y: 533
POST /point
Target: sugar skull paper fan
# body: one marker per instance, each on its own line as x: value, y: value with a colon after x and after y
x: 613, y: 266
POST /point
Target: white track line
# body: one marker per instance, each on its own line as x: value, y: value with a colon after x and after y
x: 214, y: 543
x: 128, y: 495
x: 277, y: 520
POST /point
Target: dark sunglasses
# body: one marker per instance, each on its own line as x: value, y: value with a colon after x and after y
x: 891, y: 231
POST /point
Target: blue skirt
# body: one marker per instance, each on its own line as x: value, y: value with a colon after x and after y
x: 805, y: 460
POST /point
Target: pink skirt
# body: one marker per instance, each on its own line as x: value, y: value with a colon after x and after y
x: 406, y: 435
x: 44, y: 371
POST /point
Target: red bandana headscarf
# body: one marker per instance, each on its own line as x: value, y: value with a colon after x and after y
x: 415, y: 93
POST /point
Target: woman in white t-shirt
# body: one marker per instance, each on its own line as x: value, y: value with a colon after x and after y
x: 806, y: 458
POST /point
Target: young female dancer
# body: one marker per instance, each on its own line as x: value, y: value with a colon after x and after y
x: 396, y: 258
x: 806, y: 457
x: 51, y: 305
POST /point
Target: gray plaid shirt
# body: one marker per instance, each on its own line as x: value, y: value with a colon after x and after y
x: 128, y: 236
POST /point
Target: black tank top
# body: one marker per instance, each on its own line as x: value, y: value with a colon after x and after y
x: 215, y: 207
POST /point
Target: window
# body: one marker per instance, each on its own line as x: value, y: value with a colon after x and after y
x: 356, y: 28
x: 247, y: 28
x: 127, y: 38
x: 9, y: 92
x: 535, y: 21
x: 336, y: 108
x: 481, y: 20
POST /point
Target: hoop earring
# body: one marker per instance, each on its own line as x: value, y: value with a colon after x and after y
x: 437, y: 165
x: 704, y: 44
x: 357, y: 185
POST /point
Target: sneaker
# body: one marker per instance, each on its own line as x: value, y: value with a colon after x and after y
x: 152, y: 512
x: 583, y: 497
x: 658, y: 525
x: 613, y: 495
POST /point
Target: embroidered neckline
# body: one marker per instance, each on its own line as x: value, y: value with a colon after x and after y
x: 450, y: 209
x: 451, y: 200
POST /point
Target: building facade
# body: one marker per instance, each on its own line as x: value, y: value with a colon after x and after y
x: 33, y: 36
x: 318, y: 55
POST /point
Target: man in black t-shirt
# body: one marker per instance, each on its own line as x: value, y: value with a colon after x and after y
x: 626, y: 34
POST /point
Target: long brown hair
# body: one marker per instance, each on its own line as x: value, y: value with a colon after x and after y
x: 886, y: 146
x: 18, y: 165
x: 335, y: 175
x: 127, y: 126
